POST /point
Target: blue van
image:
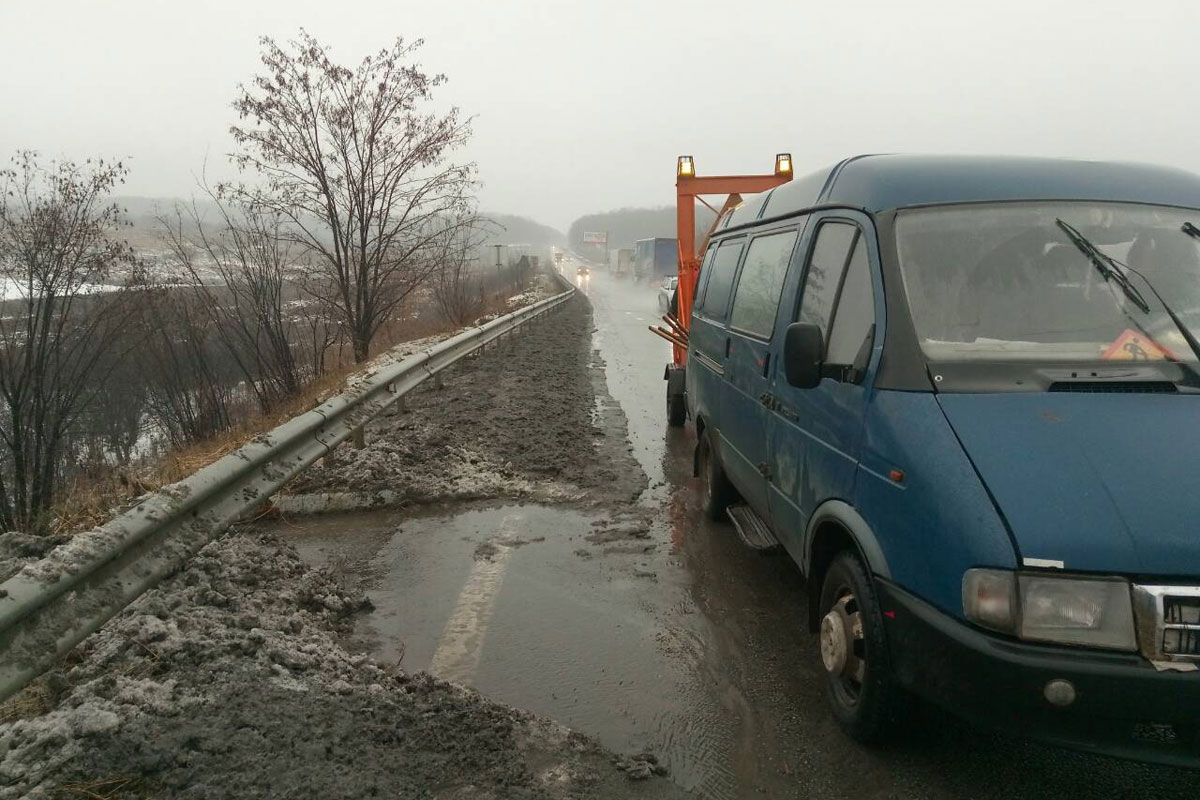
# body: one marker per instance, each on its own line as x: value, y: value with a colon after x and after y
x: 963, y: 394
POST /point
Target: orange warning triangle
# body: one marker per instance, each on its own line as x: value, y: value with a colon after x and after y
x: 1135, y: 346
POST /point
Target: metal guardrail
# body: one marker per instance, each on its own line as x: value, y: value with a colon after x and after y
x: 50, y: 606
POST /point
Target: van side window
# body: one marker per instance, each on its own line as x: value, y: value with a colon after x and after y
x: 702, y: 280
x: 854, y: 317
x: 716, y: 294
x: 824, y: 276
x: 757, y: 297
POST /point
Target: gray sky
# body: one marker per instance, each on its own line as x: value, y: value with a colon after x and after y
x: 583, y: 107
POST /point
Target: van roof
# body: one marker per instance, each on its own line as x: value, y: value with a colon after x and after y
x: 882, y: 182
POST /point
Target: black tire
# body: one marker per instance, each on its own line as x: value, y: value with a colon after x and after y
x: 862, y: 702
x: 676, y: 410
x: 718, y: 492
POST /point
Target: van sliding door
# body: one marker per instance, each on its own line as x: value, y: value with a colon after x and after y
x: 749, y: 365
x: 707, y: 337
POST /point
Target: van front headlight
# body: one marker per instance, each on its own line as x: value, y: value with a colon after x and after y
x: 1065, y: 609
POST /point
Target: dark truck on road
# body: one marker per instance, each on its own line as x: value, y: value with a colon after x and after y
x: 963, y: 394
x: 655, y: 259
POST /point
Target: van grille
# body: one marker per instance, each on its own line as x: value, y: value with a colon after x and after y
x: 1169, y: 622
x: 1122, y: 387
x: 1181, y: 626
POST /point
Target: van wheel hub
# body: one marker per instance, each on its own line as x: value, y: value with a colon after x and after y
x: 842, y: 641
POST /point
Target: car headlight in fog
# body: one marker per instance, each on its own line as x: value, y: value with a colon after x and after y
x: 1065, y: 609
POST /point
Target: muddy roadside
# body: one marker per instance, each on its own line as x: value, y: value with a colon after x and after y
x: 232, y: 679
x: 529, y: 419
x: 229, y: 681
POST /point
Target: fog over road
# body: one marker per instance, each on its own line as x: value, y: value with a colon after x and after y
x: 643, y: 625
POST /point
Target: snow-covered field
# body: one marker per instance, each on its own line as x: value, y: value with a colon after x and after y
x: 11, y: 289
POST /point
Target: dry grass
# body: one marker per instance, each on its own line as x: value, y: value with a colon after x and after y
x: 101, y: 788
x: 90, y: 500
x: 32, y: 701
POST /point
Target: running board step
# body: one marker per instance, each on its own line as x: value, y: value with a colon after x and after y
x: 750, y: 527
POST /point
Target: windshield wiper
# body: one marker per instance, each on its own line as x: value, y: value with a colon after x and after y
x: 1106, y: 265
x: 1114, y: 270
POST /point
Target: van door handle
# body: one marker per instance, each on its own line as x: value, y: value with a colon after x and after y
x: 727, y: 347
x: 767, y: 399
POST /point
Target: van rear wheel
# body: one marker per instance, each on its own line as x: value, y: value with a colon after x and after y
x: 858, y: 679
x: 718, y: 492
x: 676, y: 409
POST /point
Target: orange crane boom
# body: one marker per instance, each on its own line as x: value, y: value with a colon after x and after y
x: 689, y: 188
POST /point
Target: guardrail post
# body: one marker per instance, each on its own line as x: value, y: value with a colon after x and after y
x: 438, y: 382
x: 360, y: 437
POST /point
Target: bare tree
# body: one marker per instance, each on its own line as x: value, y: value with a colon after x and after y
x: 112, y: 424
x: 459, y: 286
x: 55, y: 326
x: 358, y: 167
x: 252, y: 262
x: 189, y: 385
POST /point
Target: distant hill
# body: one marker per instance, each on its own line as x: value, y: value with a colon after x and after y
x: 143, y: 213
x: 522, y: 230
x: 626, y: 225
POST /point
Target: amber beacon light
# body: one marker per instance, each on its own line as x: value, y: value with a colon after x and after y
x: 685, y: 167
x: 783, y: 164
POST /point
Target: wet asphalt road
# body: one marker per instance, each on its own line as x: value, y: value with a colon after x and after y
x: 685, y: 643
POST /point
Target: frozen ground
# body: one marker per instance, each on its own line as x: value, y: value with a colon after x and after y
x: 231, y: 679
x: 532, y: 421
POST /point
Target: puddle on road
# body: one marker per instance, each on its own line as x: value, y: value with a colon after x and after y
x: 634, y: 362
x: 516, y: 601
x: 707, y: 663
x: 644, y: 651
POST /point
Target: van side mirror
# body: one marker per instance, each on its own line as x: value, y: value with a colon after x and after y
x: 803, y: 354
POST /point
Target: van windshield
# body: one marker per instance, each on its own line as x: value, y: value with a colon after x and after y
x: 1003, y: 282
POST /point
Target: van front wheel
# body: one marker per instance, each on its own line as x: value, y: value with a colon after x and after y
x: 858, y: 679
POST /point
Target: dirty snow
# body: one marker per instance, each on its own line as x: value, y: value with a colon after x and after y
x: 228, y: 680
x: 515, y: 422
x: 231, y: 680
x: 543, y: 287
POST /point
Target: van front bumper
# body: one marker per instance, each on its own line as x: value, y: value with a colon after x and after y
x: 1124, y: 706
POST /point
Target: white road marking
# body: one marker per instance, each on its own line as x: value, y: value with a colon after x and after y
x: 461, y: 646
